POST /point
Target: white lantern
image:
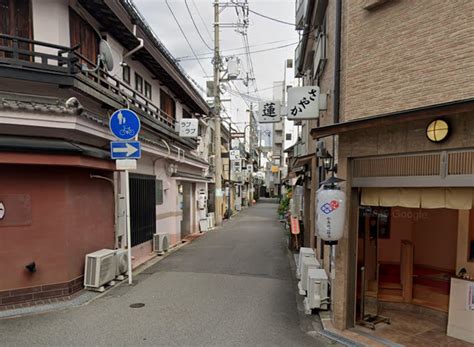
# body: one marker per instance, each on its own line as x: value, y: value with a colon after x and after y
x: 331, y: 213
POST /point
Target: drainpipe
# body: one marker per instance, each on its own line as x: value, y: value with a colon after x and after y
x: 136, y: 49
x: 337, y: 61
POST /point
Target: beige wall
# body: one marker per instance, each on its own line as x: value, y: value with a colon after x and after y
x: 465, y: 225
x: 406, y: 54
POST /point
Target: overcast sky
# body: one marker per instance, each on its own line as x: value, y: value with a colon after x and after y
x: 262, y: 34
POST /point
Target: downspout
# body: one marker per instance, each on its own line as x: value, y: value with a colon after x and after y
x: 337, y: 62
x: 136, y: 49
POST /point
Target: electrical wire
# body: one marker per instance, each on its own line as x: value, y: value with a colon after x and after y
x: 195, y: 26
x: 258, y: 51
x: 202, y: 20
x: 234, y: 49
x: 182, y: 32
x: 271, y: 18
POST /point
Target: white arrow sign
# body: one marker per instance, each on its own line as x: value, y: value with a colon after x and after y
x: 128, y: 149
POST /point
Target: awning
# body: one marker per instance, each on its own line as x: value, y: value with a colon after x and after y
x: 186, y: 176
x: 303, y: 160
x: 50, y: 146
x: 452, y: 198
x: 426, y: 112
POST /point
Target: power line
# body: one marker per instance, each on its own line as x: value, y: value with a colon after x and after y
x: 182, y: 32
x: 197, y: 29
x: 202, y: 20
x: 271, y: 18
x: 235, y: 49
x: 258, y: 51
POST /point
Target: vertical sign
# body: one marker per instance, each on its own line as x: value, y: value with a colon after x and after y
x: 303, y: 103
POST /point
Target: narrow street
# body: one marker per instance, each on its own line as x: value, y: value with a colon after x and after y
x: 230, y: 287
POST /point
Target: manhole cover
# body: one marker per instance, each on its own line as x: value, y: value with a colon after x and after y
x: 137, y: 305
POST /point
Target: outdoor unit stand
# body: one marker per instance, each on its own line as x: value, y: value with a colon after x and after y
x: 318, y: 291
x: 101, y: 268
x: 304, y: 252
x: 121, y: 258
x: 160, y: 243
x: 307, y: 264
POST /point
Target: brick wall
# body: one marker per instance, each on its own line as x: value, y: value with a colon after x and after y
x: 406, y: 54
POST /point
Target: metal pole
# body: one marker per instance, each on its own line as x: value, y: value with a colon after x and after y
x: 217, y: 121
x: 129, y: 232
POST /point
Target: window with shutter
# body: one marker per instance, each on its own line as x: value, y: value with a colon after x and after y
x: 168, y: 106
x: 15, y: 20
x: 83, y: 34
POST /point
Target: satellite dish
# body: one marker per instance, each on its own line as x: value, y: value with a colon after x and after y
x: 105, y: 55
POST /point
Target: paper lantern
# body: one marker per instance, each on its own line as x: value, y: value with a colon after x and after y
x: 331, y: 213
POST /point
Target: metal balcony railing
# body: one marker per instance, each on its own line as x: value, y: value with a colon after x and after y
x: 27, y: 56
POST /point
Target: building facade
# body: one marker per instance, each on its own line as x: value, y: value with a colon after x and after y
x: 409, y: 221
x: 61, y: 194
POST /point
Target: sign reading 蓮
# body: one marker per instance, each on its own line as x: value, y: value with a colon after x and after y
x: 303, y: 103
x: 269, y: 112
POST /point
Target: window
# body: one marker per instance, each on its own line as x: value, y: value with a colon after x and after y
x: 288, y: 136
x: 147, y: 90
x: 138, y: 83
x: 186, y: 114
x: 159, y: 192
x: 168, y: 106
x: 126, y: 74
x: 15, y: 20
x: 84, y: 35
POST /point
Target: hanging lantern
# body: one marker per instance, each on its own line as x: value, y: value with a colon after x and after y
x: 331, y: 213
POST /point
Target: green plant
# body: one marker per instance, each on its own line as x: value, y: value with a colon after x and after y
x: 284, y: 204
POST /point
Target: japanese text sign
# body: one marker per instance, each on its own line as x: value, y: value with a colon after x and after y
x: 303, y: 103
x: 269, y: 112
x: 188, y: 127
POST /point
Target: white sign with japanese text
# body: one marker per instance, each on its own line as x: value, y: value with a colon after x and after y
x: 188, y: 127
x: 303, y: 103
x: 269, y: 112
x: 234, y: 154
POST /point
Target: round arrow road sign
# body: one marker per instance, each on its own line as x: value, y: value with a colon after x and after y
x: 124, y: 124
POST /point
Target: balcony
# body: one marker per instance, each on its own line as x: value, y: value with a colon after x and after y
x: 36, y: 61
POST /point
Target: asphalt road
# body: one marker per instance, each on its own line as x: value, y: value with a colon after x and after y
x: 231, y: 287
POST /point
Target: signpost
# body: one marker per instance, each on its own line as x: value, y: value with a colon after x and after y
x: 125, y: 125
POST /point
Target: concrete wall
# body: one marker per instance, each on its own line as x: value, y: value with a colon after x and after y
x: 406, y: 54
x: 54, y: 217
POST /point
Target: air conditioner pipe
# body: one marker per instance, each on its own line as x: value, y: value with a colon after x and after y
x: 136, y: 49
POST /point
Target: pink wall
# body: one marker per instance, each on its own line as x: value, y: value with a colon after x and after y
x: 432, y: 231
x: 70, y: 216
x: 435, y: 238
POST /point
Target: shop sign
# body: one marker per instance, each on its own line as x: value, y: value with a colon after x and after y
x: 234, y: 155
x: 295, y: 225
x: 303, y: 103
x: 2, y: 210
x: 188, y: 127
x: 269, y: 112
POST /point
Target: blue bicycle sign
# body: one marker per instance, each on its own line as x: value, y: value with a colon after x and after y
x: 124, y: 124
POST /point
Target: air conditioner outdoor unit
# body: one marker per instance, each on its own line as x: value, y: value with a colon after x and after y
x: 318, y: 293
x: 121, y: 258
x: 101, y: 268
x: 307, y: 264
x: 304, y: 252
x: 160, y: 243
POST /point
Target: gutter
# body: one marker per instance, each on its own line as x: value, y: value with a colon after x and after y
x: 337, y: 63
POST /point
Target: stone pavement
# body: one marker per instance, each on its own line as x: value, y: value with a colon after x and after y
x: 231, y: 287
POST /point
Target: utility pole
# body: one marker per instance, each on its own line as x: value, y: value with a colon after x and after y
x: 217, y: 120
